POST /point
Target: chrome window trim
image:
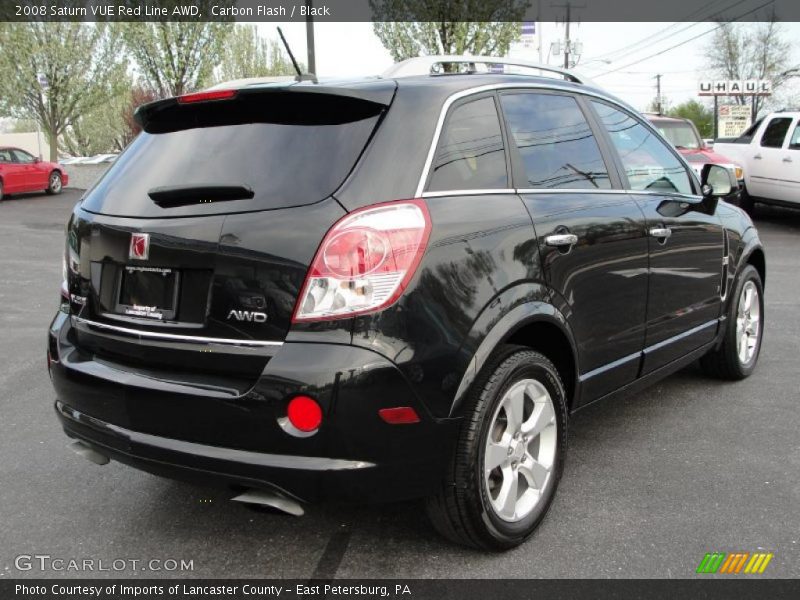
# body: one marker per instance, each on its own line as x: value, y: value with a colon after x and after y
x: 486, y: 192
x: 193, y: 339
x: 479, y: 90
x: 569, y: 191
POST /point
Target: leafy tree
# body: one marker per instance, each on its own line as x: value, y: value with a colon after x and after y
x: 752, y: 51
x: 81, y: 63
x: 409, y: 28
x: 247, y: 54
x: 698, y: 113
x: 173, y: 58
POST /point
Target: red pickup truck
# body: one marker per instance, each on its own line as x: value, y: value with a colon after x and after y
x: 22, y: 172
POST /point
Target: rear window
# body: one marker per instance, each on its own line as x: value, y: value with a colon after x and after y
x: 301, y: 159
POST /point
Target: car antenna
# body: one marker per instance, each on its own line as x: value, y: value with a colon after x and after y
x: 300, y: 75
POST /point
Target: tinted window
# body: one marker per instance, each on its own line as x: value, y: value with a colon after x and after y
x: 5, y: 156
x: 649, y: 164
x: 285, y: 164
x: 775, y: 132
x: 22, y: 156
x: 470, y: 154
x: 555, y: 141
x: 794, y: 143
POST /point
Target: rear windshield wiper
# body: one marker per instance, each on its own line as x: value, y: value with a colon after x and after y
x: 200, y: 193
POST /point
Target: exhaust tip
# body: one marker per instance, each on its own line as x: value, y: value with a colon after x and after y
x: 265, y: 498
x: 89, y: 453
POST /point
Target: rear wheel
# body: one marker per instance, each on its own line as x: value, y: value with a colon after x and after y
x: 54, y: 185
x: 746, y: 202
x: 737, y: 356
x: 509, y: 456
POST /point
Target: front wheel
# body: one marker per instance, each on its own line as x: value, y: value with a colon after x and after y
x: 1, y: 190
x: 509, y: 457
x: 736, y: 357
x: 54, y: 185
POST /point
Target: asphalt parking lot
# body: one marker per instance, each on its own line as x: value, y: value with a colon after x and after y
x: 652, y: 481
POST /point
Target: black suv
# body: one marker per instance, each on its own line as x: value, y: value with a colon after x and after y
x: 394, y: 288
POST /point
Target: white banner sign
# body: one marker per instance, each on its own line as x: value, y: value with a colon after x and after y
x: 733, y: 120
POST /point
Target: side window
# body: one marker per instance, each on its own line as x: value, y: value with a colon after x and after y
x: 794, y: 143
x: 775, y: 132
x: 555, y: 141
x: 5, y: 156
x: 471, y: 155
x: 22, y: 157
x: 649, y: 164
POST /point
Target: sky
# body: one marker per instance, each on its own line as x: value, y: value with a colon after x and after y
x: 352, y: 49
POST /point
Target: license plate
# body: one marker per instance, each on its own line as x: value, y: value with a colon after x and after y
x: 150, y: 292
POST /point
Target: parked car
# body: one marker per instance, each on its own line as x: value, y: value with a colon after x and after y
x: 541, y: 248
x: 770, y: 152
x: 21, y: 172
x: 683, y: 134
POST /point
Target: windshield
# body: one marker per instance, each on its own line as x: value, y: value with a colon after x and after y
x: 681, y: 135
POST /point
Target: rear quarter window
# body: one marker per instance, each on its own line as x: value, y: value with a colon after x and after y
x: 471, y: 155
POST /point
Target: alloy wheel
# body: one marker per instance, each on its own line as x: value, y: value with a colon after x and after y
x: 520, y: 450
x: 748, y: 323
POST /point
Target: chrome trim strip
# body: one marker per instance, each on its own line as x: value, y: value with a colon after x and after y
x: 192, y: 339
x: 569, y: 191
x: 617, y: 363
x: 467, y: 193
x: 488, y: 88
x: 680, y: 336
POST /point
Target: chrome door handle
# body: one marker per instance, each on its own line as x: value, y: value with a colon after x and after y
x: 660, y: 232
x: 787, y: 159
x: 561, y: 239
x: 757, y: 157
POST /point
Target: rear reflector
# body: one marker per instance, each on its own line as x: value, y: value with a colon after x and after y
x: 206, y: 96
x: 304, y: 413
x: 401, y: 415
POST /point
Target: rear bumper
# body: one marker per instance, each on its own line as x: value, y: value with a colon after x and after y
x: 173, y: 429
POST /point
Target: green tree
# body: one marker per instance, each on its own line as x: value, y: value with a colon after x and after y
x: 698, y: 113
x: 409, y: 28
x: 81, y: 64
x: 752, y: 51
x: 247, y: 54
x: 173, y: 58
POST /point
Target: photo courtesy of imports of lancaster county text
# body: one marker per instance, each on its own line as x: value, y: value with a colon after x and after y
x: 399, y: 299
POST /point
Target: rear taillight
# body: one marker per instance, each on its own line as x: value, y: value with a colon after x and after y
x: 365, y: 261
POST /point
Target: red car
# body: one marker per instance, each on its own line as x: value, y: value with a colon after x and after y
x: 684, y: 136
x: 22, y: 172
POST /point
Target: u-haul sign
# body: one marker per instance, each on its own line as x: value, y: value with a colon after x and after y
x: 735, y: 87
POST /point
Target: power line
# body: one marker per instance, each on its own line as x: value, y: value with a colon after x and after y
x: 683, y: 43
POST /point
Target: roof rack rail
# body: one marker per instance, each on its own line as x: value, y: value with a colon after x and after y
x: 424, y: 65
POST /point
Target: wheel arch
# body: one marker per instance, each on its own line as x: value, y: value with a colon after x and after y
x: 539, y: 326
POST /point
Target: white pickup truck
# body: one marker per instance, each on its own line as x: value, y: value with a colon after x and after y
x: 769, y: 151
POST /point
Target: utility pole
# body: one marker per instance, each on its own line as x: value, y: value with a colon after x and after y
x: 658, y: 93
x: 312, y: 59
x: 567, y: 20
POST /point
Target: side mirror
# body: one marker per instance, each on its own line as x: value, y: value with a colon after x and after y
x: 37, y: 160
x: 717, y: 181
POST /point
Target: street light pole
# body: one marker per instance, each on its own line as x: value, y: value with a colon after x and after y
x: 312, y: 59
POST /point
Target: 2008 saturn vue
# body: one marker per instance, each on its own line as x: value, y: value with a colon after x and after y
x: 397, y: 287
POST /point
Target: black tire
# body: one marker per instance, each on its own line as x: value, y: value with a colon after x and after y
x: 1, y: 190
x: 724, y: 362
x: 462, y: 510
x: 746, y: 202
x: 55, y: 184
